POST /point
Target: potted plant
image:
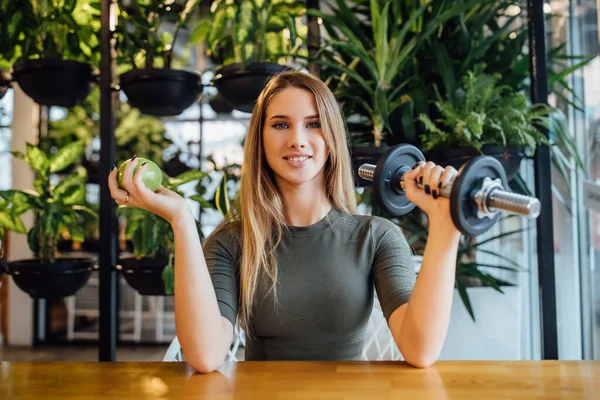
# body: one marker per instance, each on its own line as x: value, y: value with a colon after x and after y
x: 58, y: 48
x: 249, y: 40
x: 152, y: 85
x: 150, y: 270
x: 484, y: 117
x: 55, y: 206
x: 9, y: 32
x: 368, y: 61
x: 11, y: 209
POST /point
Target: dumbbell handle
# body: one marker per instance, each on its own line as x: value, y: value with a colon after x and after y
x: 495, y: 199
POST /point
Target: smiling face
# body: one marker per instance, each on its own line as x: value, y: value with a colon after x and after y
x: 293, y: 142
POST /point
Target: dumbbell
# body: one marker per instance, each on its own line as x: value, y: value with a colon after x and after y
x: 477, y: 194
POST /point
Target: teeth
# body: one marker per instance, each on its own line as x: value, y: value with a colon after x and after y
x: 297, y: 158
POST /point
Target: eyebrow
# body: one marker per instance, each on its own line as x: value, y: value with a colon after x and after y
x: 279, y: 116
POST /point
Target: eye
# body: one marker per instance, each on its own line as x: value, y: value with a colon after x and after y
x: 280, y: 125
x: 314, y: 125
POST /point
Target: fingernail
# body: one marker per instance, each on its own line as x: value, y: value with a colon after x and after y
x: 434, y: 194
x: 420, y: 179
x: 427, y: 190
x: 440, y: 185
x: 415, y: 167
x: 144, y: 163
x: 113, y: 167
x: 133, y: 158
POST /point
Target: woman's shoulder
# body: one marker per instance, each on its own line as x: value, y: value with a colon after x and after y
x: 227, y: 235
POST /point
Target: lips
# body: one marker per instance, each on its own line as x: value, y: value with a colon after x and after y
x: 297, y: 157
x: 297, y: 160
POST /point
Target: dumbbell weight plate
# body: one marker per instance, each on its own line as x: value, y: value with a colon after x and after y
x: 463, y: 208
x: 386, y: 180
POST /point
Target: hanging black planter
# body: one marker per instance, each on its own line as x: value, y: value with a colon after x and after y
x: 510, y: 157
x: 54, y: 82
x: 240, y: 87
x: 61, y: 279
x: 219, y: 105
x: 365, y: 155
x: 161, y: 92
x: 4, y: 83
x: 144, y: 275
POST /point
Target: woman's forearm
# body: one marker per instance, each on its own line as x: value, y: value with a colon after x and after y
x: 205, y: 336
x: 428, y: 312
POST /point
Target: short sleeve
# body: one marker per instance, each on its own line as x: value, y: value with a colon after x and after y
x: 222, y: 258
x: 393, y: 270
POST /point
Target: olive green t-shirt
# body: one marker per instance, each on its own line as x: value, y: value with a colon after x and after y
x: 327, y: 274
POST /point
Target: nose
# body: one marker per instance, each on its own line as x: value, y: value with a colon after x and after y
x: 297, y: 138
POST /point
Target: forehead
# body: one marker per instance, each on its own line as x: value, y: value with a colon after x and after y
x: 293, y: 102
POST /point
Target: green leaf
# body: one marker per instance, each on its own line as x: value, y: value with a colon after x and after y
x: 77, y: 233
x: 12, y: 223
x: 462, y: 291
x: 37, y: 160
x: 86, y: 210
x: 221, y: 196
x: 188, y: 176
x: 201, y: 200
x: 168, y: 277
x: 73, y: 194
x: 18, y: 154
x: 65, y: 156
x: 200, y: 32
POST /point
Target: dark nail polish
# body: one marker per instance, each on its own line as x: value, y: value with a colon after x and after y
x: 113, y: 167
x: 415, y: 166
x: 420, y: 179
x: 133, y: 158
x: 427, y: 190
x: 440, y: 185
x: 434, y: 194
x: 144, y: 163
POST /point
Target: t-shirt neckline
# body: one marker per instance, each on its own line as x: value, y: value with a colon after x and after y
x: 317, y: 227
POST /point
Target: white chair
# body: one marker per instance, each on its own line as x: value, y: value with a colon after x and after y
x: 379, y: 344
x: 174, y: 352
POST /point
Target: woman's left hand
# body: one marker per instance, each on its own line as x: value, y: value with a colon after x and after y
x: 432, y: 178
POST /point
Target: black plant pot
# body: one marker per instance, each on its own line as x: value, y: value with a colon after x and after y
x: 161, y: 91
x: 509, y: 157
x: 4, y: 83
x: 54, y: 82
x: 240, y: 87
x: 62, y: 279
x: 144, y: 275
x: 365, y: 155
x: 219, y: 105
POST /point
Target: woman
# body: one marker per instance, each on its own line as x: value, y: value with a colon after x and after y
x: 293, y: 263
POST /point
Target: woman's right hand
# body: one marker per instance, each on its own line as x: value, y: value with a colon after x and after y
x: 164, y: 202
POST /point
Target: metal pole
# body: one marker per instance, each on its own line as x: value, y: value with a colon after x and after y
x: 108, y: 221
x: 543, y: 184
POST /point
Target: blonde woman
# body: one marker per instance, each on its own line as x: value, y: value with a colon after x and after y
x: 293, y: 263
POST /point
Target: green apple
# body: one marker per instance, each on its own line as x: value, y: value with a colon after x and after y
x: 152, y: 174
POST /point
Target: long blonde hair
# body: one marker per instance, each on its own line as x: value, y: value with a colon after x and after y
x: 259, y: 208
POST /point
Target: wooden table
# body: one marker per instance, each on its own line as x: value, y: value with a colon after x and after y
x: 302, y: 380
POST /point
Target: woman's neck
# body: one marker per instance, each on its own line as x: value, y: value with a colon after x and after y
x: 304, y: 207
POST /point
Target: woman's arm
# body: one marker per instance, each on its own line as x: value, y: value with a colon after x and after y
x: 419, y: 327
x: 205, y: 335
